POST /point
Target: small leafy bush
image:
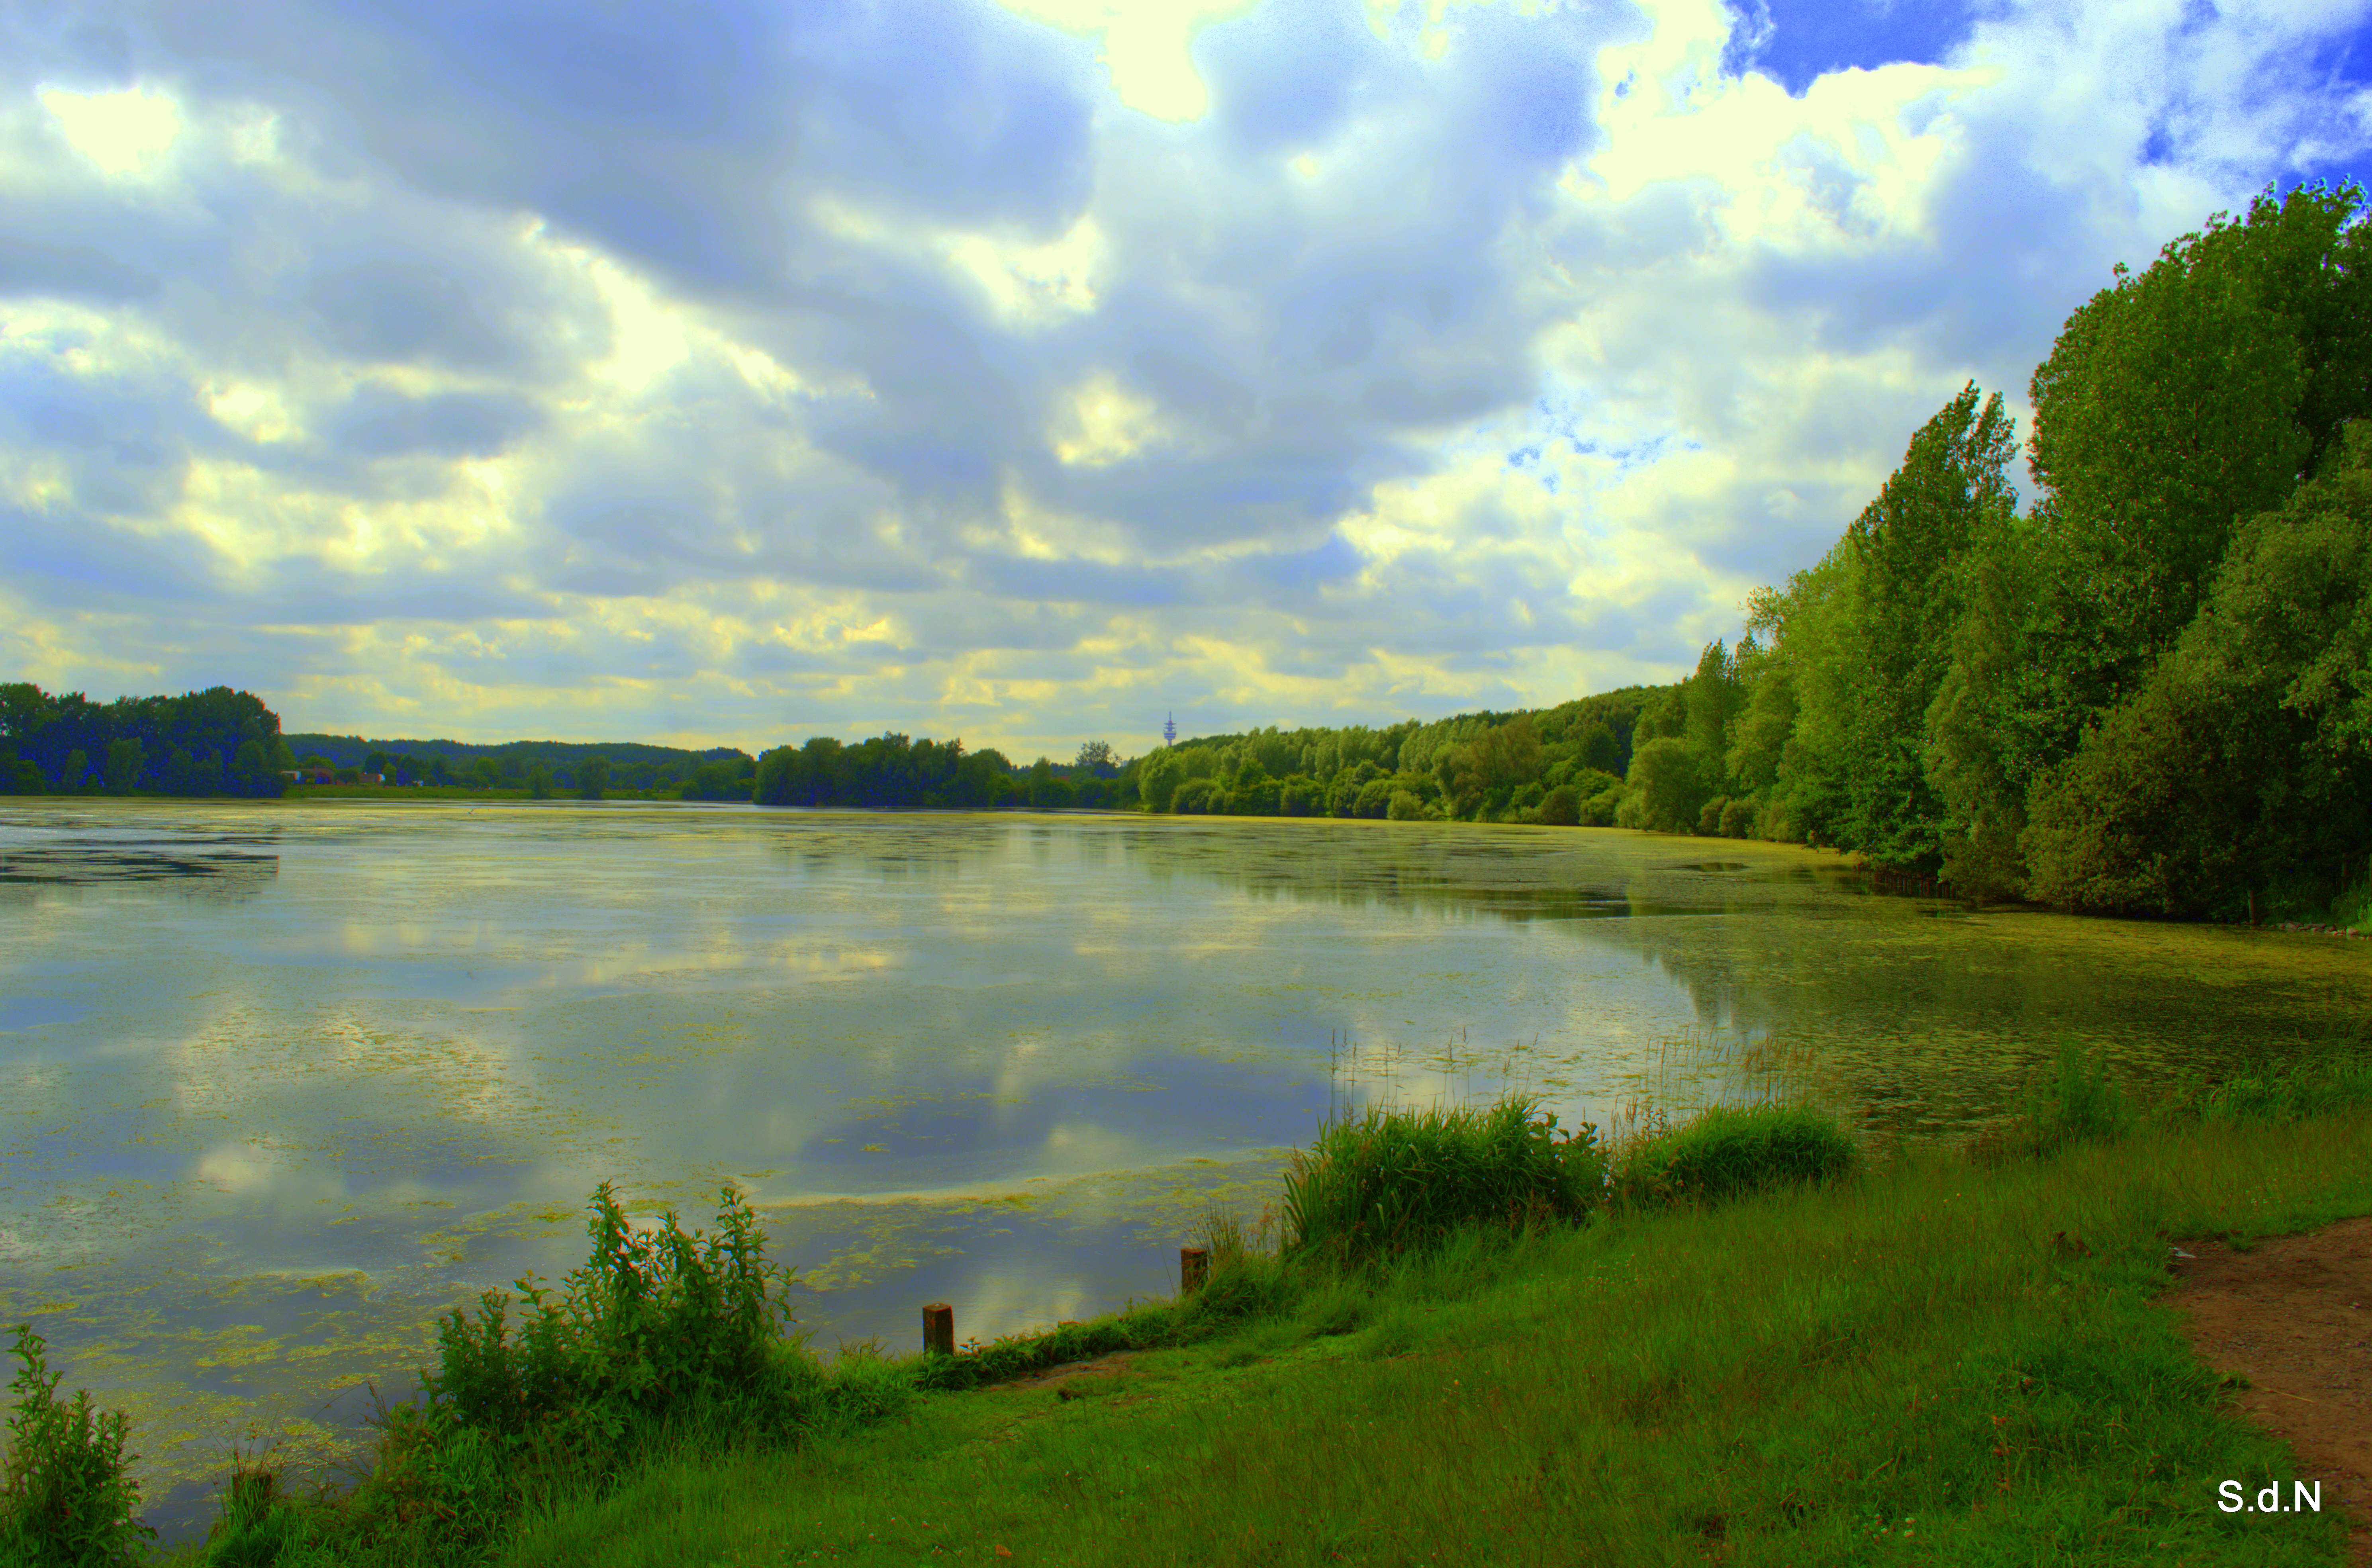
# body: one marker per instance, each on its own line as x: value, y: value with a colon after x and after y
x: 1398, y: 1180
x: 66, y: 1498
x: 2353, y: 908
x: 1730, y: 1152
x: 658, y: 1326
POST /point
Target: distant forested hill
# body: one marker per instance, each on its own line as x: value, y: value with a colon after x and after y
x: 628, y: 764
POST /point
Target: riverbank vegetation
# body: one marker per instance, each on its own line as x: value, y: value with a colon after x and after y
x: 1745, y: 1334
x: 2152, y: 693
x: 2149, y: 692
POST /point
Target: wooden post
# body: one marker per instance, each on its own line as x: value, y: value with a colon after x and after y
x: 1194, y: 1268
x: 938, y: 1330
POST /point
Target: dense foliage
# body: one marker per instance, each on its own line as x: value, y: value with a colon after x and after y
x: 2150, y: 692
x: 215, y: 742
x: 1564, y: 765
x: 67, y: 1499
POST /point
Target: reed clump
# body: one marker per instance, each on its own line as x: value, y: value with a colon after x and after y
x: 1730, y: 1152
x: 1394, y: 1181
x: 2075, y: 1101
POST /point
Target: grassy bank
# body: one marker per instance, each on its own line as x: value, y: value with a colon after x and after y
x: 1458, y: 1339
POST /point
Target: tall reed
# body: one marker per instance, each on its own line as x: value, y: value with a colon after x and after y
x: 1396, y: 1180
x: 1730, y: 1151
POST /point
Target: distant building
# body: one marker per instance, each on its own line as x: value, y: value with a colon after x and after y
x: 1170, y: 730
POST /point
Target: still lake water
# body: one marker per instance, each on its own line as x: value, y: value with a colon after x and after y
x: 279, y: 1083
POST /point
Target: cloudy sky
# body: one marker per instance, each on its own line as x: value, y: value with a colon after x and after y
x: 731, y: 371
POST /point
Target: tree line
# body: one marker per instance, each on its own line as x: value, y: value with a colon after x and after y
x: 549, y: 767
x: 213, y: 743
x: 2150, y: 692
x: 891, y: 772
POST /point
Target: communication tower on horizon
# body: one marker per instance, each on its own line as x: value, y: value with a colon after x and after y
x: 1170, y: 730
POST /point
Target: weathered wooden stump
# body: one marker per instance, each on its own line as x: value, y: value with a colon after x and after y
x: 938, y: 1330
x: 1193, y: 1269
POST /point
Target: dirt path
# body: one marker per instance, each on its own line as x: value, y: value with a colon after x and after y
x: 2293, y: 1315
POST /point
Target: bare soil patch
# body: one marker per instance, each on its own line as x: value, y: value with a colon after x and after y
x: 1064, y: 1373
x: 2293, y: 1315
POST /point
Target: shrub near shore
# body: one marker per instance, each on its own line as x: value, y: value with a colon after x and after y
x: 1907, y: 1360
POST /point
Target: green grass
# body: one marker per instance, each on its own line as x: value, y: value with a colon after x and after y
x: 1786, y: 1354
x: 1911, y: 1366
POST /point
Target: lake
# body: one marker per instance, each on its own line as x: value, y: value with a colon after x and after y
x: 280, y: 1082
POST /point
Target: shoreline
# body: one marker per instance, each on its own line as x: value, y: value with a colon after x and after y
x: 1994, y: 1247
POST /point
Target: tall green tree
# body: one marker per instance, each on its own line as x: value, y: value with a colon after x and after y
x: 2239, y: 776
x: 1668, y: 791
x: 126, y: 760
x: 1995, y: 720
x: 1712, y: 701
x: 2177, y: 403
x: 1951, y: 488
x: 1157, y: 778
x: 1814, y: 657
x: 250, y: 771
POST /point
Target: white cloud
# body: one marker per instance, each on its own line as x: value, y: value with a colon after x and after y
x: 122, y: 134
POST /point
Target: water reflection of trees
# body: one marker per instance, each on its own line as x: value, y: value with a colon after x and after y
x: 1913, y: 1009
x: 215, y: 865
x: 1923, y: 1017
